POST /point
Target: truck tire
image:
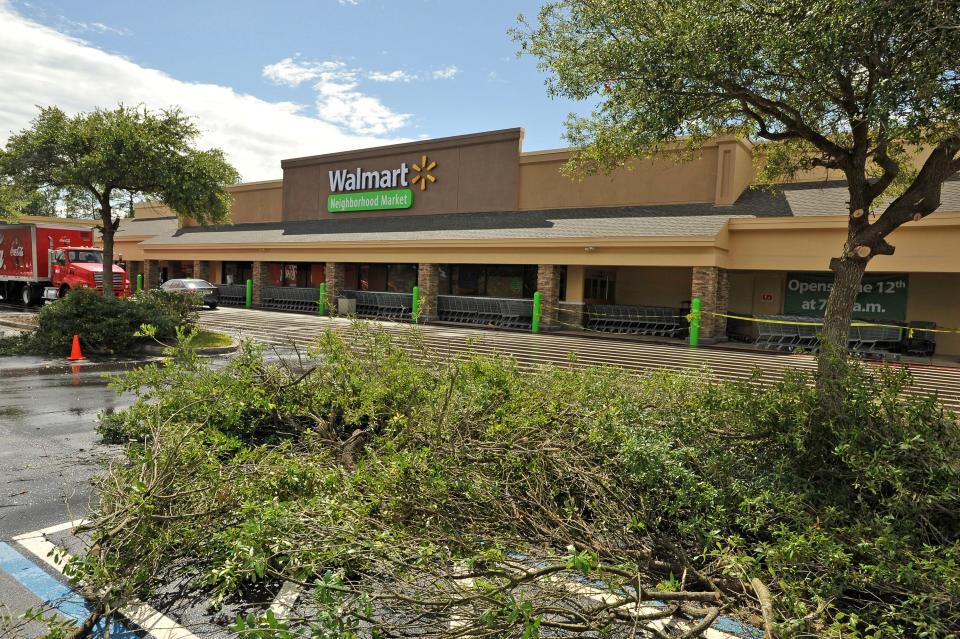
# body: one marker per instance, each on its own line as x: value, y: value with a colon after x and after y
x: 26, y: 295
x: 63, y: 291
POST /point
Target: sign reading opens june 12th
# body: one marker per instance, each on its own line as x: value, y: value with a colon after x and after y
x: 370, y: 201
x: 393, y: 197
x: 881, y: 297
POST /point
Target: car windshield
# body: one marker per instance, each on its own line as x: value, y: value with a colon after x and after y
x: 197, y: 284
x: 90, y: 257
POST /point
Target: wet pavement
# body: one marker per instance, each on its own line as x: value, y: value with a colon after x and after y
x: 49, y: 452
x: 49, y: 448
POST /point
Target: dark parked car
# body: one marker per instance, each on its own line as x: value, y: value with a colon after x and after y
x: 211, y: 294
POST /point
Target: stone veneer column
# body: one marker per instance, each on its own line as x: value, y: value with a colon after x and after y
x: 201, y: 270
x: 151, y: 274
x: 548, y: 283
x: 334, y: 273
x: 428, y: 279
x: 712, y: 286
x: 260, y: 277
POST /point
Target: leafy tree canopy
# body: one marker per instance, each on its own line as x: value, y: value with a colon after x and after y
x: 15, y: 201
x: 113, y: 155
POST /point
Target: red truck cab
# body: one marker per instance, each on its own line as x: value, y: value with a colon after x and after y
x: 81, y: 267
x: 45, y: 261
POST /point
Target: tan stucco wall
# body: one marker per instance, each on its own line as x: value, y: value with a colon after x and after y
x: 653, y: 286
x: 748, y: 291
x: 129, y: 248
x: 935, y: 297
x: 645, y: 182
x: 251, y: 202
x: 257, y: 202
x: 809, y: 243
x: 145, y: 210
x: 574, y: 288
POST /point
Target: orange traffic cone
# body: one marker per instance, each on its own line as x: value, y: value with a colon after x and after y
x: 75, y: 354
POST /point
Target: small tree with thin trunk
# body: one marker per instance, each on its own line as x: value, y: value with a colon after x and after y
x: 105, y: 158
x: 863, y: 87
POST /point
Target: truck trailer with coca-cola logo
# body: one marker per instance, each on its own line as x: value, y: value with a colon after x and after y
x: 45, y: 261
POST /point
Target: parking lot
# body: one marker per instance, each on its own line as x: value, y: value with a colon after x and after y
x: 288, y: 330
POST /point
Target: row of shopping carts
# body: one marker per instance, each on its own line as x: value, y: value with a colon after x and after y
x: 791, y: 333
x: 383, y: 305
x: 291, y: 298
x: 491, y: 311
x: 661, y: 321
x: 232, y: 294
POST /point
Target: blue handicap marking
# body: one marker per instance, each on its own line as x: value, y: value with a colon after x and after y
x: 48, y: 589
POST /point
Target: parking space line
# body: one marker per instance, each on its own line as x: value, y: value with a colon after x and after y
x: 283, y: 603
x: 155, y: 623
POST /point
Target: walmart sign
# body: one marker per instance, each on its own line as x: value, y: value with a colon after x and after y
x: 360, y: 190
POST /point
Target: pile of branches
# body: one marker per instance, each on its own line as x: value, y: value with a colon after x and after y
x: 406, y: 494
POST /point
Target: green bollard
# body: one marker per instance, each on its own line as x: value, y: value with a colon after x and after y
x: 139, y: 282
x: 535, y: 320
x: 323, y: 298
x: 695, y: 321
x: 415, y: 311
x: 249, y: 293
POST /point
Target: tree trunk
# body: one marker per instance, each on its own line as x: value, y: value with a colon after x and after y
x: 847, y: 277
x: 106, y: 216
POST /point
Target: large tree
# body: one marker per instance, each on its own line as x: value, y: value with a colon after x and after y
x: 15, y: 201
x: 108, y: 157
x: 862, y: 87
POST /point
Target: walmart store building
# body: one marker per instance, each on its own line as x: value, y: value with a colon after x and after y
x: 480, y: 225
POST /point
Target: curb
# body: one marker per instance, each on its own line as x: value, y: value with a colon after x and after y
x: 18, y: 325
x: 60, y: 368
x: 155, y: 350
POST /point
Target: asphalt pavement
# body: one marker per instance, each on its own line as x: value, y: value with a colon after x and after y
x: 49, y: 452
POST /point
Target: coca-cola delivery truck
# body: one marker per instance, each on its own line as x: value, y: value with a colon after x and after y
x: 44, y: 261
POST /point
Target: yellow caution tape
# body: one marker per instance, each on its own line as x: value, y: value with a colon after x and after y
x: 910, y: 329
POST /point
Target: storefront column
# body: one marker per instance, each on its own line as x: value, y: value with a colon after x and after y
x: 260, y: 277
x: 548, y: 283
x: 712, y: 286
x: 335, y: 273
x: 572, y: 309
x: 201, y: 270
x: 428, y: 280
x: 151, y: 274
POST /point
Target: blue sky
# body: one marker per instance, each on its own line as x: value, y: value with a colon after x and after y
x: 268, y: 80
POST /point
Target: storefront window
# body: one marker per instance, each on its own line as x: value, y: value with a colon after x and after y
x: 512, y: 280
x: 598, y: 286
x: 401, y: 278
x: 237, y: 272
x: 318, y: 275
x: 504, y: 281
x: 468, y: 280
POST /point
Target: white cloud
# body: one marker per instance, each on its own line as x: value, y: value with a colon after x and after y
x: 42, y: 66
x: 338, y: 100
x: 391, y: 76
x: 446, y: 73
x: 294, y: 72
x: 340, y: 104
x: 351, y: 3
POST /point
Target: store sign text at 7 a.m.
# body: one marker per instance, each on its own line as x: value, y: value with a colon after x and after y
x: 360, y: 184
x: 881, y: 297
